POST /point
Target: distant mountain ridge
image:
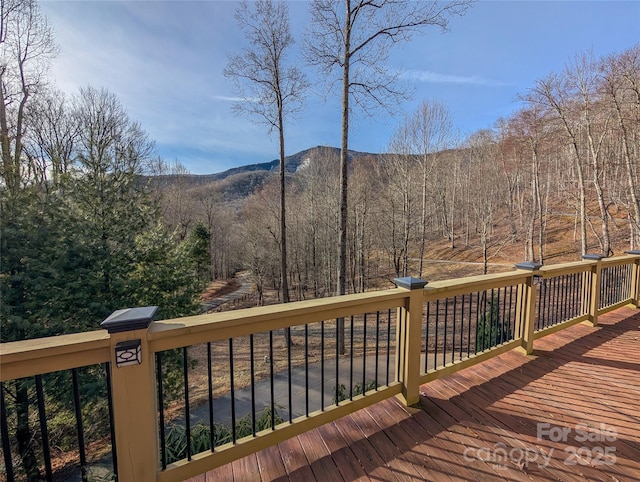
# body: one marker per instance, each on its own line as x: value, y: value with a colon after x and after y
x: 292, y: 163
x: 239, y: 182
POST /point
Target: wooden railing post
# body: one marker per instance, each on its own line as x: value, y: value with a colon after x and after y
x: 635, y: 279
x: 596, y: 280
x: 134, y: 394
x: 409, y: 322
x: 526, y: 314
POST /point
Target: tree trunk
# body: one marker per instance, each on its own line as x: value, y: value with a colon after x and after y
x: 423, y: 216
x: 344, y: 158
x: 629, y: 166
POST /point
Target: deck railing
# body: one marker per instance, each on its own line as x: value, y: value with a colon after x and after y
x: 270, y: 373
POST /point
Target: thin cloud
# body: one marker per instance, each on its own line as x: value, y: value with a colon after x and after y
x: 228, y: 99
x: 437, y: 78
x: 225, y: 98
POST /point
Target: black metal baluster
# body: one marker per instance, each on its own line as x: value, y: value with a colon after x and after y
x: 589, y: 291
x: 187, y: 413
x: 469, y: 327
x: 491, y: 323
x: 212, y: 435
x: 322, y: 365
x: 426, y: 338
x: 541, y: 305
x: 560, y: 304
x: 577, y: 286
x: 554, y: 303
x: 289, y: 373
x: 542, y: 308
x: 444, y: 343
x: 569, y: 296
x: 475, y: 341
x: 364, y: 353
x: 570, y: 291
x: 550, y: 303
x: 351, y: 359
x: 42, y: 415
x: 4, y: 433
x: 271, y: 376
x: 377, y: 345
x: 399, y: 337
x: 564, y: 298
x: 453, y: 334
x: 112, y: 429
x: 435, y: 344
x: 579, y: 293
x: 337, y: 397
x: 484, y: 327
x: 306, y: 368
x: 512, y: 318
x: 601, y: 289
x: 504, y: 312
x: 233, y: 392
x: 388, y: 343
x: 461, y: 327
x: 163, y: 442
x: 79, y: 426
x: 253, y: 384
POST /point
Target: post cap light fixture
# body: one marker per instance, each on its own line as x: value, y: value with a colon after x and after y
x: 129, y: 319
x: 410, y: 283
x: 529, y: 266
x: 128, y: 353
x: 593, y: 257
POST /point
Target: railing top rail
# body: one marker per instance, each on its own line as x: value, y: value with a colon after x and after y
x: 619, y: 260
x: 470, y: 284
x: 175, y: 333
x: 43, y: 355
x: 572, y: 267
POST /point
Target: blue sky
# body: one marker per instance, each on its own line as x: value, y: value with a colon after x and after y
x: 164, y: 61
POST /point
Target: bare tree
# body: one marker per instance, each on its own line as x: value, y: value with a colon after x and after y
x: 488, y: 195
x: 432, y: 131
x: 553, y: 96
x: 51, y: 136
x: 270, y: 89
x: 527, y: 130
x: 350, y: 41
x: 26, y: 47
x: 620, y: 80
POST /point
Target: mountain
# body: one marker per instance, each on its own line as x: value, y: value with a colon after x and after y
x: 239, y: 182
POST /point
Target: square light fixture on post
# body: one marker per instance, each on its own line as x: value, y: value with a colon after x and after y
x: 128, y: 353
x: 533, y: 267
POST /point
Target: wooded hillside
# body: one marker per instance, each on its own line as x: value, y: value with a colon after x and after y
x: 557, y: 179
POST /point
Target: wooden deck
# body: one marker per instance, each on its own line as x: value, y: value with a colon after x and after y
x: 483, y: 422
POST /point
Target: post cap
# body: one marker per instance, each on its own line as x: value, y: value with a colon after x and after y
x: 633, y: 251
x: 129, y: 319
x: 410, y: 283
x: 593, y: 257
x: 529, y: 266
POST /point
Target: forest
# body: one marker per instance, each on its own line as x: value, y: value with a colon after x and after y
x: 87, y: 227
x: 565, y: 164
